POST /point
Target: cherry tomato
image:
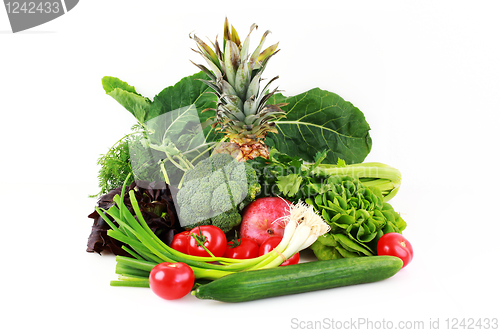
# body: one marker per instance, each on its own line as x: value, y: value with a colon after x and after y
x: 394, y: 244
x: 269, y: 244
x: 171, y: 280
x: 212, y: 237
x: 180, y: 241
x: 242, y: 248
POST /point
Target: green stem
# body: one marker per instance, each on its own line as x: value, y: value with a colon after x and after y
x: 122, y: 204
x: 164, y: 172
x: 171, y: 159
x: 200, y: 239
x: 209, y: 274
x: 135, y: 263
x: 208, y: 144
x: 188, y: 164
x: 125, y: 270
x: 265, y: 263
x: 132, y: 253
x: 143, y: 283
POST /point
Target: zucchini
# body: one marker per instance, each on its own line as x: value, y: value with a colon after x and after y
x: 299, y: 278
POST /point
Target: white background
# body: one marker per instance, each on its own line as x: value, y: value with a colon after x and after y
x: 426, y: 74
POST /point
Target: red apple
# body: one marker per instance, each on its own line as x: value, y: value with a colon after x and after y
x: 258, y: 217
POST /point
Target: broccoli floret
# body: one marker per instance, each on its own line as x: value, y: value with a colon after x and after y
x: 221, y: 199
x: 227, y: 220
x: 246, y: 176
x: 215, y: 192
x: 202, y: 169
x: 216, y: 179
x: 187, y: 214
x: 227, y: 196
x: 238, y: 191
x: 223, y: 161
x: 184, y: 197
x: 200, y: 205
x: 252, y: 181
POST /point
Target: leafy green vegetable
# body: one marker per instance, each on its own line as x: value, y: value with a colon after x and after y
x: 174, y: 129
x: 127, y: 96
x: 318, y: 120
x: 189, y: 91
x: 289, y: 185
x: 357, y: 215
x: 156, y: 206
x: 126, y: 156
x: 372, y: 174
x: 115, y: 167
x: 291, y: 177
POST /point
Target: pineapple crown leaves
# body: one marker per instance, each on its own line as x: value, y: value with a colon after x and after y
x: 235, y: 71
x: 235, y: 75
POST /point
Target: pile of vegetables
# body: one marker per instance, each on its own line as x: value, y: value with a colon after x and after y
x: 222, y: 181
x: 206, y: 246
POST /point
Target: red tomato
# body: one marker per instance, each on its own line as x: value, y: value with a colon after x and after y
x: 212, y: 237
x: 180, y: 241
x: 394, y: 244
x: 171, y: 280
x: 244, y: 248
x: 270, y: 243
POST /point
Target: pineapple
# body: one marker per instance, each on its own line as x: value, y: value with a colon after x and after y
x: 235, y: 75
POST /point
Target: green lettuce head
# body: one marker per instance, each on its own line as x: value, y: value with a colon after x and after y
x: 357, y: 215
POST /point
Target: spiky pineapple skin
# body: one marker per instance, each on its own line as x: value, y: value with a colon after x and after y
x: 251, y: 151
x: 243, y: 152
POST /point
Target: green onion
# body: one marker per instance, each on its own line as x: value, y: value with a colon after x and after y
x: 303, y: 227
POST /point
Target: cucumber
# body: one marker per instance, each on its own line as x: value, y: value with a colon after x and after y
x: 299, y: 278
